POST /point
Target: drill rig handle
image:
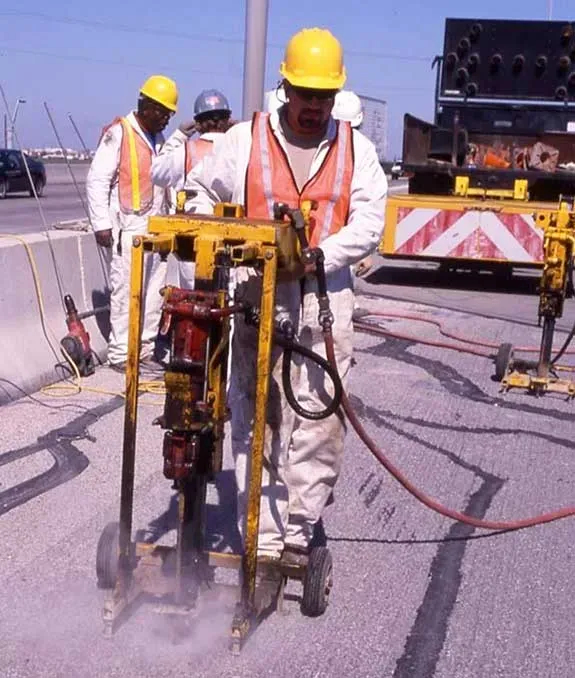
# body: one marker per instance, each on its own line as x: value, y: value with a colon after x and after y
x: 309, y: 255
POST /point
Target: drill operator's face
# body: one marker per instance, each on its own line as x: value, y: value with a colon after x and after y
x: 308, y: 110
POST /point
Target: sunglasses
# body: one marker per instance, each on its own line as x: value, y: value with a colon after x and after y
x: 306, y: 94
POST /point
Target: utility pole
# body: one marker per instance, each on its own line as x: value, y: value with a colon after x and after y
x: 254, y: 56
x: 5, y: 131
x: 12, y: 123
x: 549, y: 9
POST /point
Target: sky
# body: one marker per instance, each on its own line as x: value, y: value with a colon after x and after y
x: 90, y: 59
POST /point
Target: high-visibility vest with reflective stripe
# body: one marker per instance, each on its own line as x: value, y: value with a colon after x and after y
x: 135, y: 187
x: 196, y: 149
x: 270, y: 179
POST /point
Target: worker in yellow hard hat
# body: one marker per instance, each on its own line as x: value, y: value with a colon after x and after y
x: 121, y: 197
x: 294, y: 153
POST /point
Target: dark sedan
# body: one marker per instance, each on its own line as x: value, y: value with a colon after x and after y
x: 14, y: 177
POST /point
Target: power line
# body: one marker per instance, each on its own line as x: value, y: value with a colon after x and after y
x: 69, y: 57
x: 104, y: 25
x: 8, y: 50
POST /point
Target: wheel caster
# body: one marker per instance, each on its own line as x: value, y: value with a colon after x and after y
x: 317, y: 582
x: 107, y: 556
x: 503, y: 361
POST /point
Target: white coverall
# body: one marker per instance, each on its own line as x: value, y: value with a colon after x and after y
x: 169, y: 166
x: 169, y: 171
x: 303, y: 458
x: 105, y: 213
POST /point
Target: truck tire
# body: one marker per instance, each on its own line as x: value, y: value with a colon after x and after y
x: 39, y: 184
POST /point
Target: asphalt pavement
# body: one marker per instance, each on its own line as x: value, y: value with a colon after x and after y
x: 63, y: 200
x: 415, y: 594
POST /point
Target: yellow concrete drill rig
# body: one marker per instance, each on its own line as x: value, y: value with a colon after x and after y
x: 198, y: 322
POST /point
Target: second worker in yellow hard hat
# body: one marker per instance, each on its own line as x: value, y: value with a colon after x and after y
x: 121, y: 198
x: 294, y: 153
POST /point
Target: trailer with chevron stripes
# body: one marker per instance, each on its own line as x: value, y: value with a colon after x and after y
x: 500, y: 149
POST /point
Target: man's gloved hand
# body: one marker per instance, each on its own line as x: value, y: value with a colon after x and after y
x: 104, y: 238
x: 188, y: 128
x: 363, y: 267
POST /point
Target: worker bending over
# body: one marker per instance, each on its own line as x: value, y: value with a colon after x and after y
x: 121, y: 198
x: 188, y: 145
x: 297, y: 153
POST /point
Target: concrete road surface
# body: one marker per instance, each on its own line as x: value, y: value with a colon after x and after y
x: 19, y: 213
x: 415, y: 596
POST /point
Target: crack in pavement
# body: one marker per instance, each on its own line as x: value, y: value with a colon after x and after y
x: 451, y: 380
x: 427, y: 636
x: 69, y: 461
x: 426, y: 639
x: 428, y: 633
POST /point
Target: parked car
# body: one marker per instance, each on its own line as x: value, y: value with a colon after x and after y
x: 396, y: 170
x: 14, y: 177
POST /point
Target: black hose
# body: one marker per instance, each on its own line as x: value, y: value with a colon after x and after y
x: 291, y: 347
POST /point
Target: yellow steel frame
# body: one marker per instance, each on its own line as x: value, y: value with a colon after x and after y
x: 520, y: 190
x: 559, y: 249
x: 459, y: 203
x: 266, y: 244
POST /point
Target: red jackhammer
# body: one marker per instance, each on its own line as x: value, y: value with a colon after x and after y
x: 76, y: 343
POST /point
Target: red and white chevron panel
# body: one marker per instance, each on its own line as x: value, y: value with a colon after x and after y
x: 438, y: 233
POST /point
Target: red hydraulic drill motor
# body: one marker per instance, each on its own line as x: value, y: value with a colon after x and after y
x: 77, y: 342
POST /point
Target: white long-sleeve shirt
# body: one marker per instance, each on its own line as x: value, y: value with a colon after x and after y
x: 102, y: 184
x: 221, y: 177
x: 169, y: 166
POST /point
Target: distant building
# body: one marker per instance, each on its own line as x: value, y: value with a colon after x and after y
x: 58, y: 154
x: 375, y: 124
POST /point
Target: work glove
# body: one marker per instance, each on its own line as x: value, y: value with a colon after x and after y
x: 188, y: 128
x: 104, y: 238
x: 363, y: 267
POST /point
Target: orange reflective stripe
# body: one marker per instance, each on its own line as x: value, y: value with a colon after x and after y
x: 196, y: 149
x: 135, y: 188
x: 269, y: 179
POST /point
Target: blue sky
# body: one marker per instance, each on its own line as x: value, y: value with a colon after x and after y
x: 89, y: 59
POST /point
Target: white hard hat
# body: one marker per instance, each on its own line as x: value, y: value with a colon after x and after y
x: 272, y: 101
x: 348, y: 107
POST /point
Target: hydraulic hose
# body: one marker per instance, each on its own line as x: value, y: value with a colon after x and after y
x: 315, y: 256
x: 425, y: 499
x: 290, y: 347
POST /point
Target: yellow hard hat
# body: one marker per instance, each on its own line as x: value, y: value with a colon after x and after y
x: 314, y: 59
x: 161, y: 89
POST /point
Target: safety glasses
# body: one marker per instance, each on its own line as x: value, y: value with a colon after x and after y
x: 321, y: 95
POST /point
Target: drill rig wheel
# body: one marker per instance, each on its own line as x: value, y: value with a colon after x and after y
x: 317, y: 582
x: 107, y: 556
x: 503, y: 361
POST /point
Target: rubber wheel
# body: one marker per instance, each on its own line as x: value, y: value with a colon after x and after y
x: 3, y: 189
x: 107, y: 556
x: 39, y: 186
x: 503, y: 360
x: 317, y: 582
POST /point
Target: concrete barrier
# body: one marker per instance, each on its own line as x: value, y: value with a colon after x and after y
x: 30, y: 355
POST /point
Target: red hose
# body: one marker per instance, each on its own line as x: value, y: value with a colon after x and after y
x: 451, y: 335
x: 428, y: 501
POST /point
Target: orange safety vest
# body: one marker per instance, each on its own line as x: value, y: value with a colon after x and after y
x: 270, y: 179
x: 196, y: 149
x: 135, y: 187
